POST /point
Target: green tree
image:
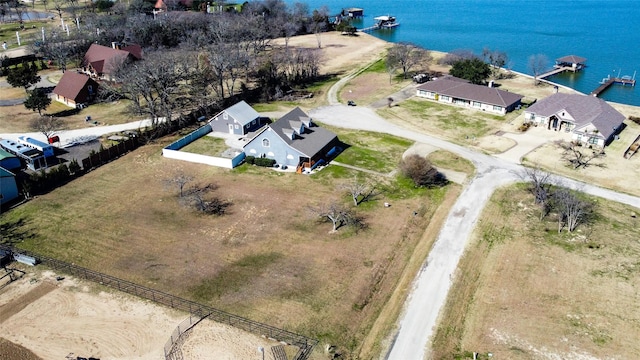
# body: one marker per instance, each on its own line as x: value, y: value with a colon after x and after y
x: 23, y: 76
x: 37, y: 100
x: 474, y: 70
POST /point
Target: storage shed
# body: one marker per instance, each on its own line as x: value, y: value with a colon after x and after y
x: 9, y: 161
x: 8, y: 186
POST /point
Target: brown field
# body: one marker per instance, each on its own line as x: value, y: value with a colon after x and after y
x: 267, y: 260
x: 523, y: 291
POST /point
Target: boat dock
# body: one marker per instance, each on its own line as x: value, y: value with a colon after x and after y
x: 608, y: 81
x: 556, y: 70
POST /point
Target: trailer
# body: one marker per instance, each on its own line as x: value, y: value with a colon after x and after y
x: 633, y: 148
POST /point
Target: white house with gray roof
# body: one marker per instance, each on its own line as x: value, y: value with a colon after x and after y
x: 294, y: 140
x: 460, y: 92
x: 238, y: 119
x: 592, y: 121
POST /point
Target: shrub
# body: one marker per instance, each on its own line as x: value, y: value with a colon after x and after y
x: 266, y: 162
x: 250, y: 159
x: 421, y: 171
x: 524, y: 127
x: 74, y: 167
x: 635, y: 119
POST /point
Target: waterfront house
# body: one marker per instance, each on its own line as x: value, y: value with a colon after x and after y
x: 592, y: 121
x: 460, y: 92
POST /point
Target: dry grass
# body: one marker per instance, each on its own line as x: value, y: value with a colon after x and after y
x: 540, y: 294
x: 267, y: 259
x: 618, y: 173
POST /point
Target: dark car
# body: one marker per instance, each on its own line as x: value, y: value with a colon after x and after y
x: 351, y: 103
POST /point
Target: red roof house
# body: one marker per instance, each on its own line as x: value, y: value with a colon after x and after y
x: 75, y: 88
x: 103, y: 61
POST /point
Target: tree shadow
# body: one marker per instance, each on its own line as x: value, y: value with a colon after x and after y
x: 14, y: 232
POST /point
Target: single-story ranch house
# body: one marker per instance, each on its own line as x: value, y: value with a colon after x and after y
x: 74, y: 89
x: 238, y: 119
x: 452, y: 90
x: 294, y: 140
x: 592, y: 120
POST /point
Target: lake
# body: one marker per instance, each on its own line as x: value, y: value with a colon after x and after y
x: 604, y: 32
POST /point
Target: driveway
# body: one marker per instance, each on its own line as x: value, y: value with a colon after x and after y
x: 431, y: 286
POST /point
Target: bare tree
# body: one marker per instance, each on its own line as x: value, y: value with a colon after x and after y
x: 406, y: 55
x: 320, y: 20
x: 179, y: 179
x: 580, y: 158
x: 338, y: 215
x: 47, y: 125
x: 537, y: 65
x: 200, y: 198
x: 540, y: 187
x: 572, y: 210
x: 359, y: 191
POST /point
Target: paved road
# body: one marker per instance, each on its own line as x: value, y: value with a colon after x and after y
x: 432, y: 284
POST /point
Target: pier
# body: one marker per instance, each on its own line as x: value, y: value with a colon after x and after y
x: 566, y: 63
x: 608, y: 81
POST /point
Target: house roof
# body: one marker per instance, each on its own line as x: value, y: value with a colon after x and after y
x: 311, y: 141
x: 242, y: 112
x: 134, y: 49
x: 583, y: 109
x: 461, y: 89
x: 573, y: 59
x: 71, y: 84
x: 105, y: 59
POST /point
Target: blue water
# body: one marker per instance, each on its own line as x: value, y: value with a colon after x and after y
x: 606, y: 32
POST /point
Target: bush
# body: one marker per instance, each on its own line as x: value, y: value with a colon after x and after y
x: 250, y: 159
x: 524, y: 127
x: 421, y: 171
x: 74, y: 167
x: 265, y: 162
x: 635, y: 119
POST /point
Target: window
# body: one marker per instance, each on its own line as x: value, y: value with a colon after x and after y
x: 265, y: 142
x: 445, y: 98
x: 237, y: 127
x: 497, y: 108
x: 593, y: 140
x: 477, y: 104
x: 225, y: 116
x: 253, y: 122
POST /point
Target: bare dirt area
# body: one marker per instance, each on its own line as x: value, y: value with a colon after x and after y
x: 538, y: 294
x: 340, y: 53
x: 43, y: 318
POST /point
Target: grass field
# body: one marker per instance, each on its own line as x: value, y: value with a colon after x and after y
x: 268, y: 259
x: 453, y: 123
x: 206, y: 145
x: 523, y: 291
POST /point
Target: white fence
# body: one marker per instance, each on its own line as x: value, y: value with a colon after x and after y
x: 203, y: 159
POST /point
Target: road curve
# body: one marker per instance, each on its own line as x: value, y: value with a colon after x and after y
x: 431, y: 286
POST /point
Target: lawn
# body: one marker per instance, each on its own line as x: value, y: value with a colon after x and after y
x: 267, y: 259
x: 523, y: 291
x: 206, y: 145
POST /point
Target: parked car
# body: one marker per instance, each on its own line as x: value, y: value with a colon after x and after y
x: 351, y: 103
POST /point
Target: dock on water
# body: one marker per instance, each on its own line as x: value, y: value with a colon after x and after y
x: 566, y: 63
x: 608, y: 81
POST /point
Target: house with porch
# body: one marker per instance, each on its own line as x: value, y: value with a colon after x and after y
x: 238, y: 119
x: 75, y: 89
x: 102, y: 61
x: 590, y: 120
x: 460, y: 92
x: 294, y: 140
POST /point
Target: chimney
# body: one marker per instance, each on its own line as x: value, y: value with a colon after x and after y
x: 114, y: 45
x: 490, y: 84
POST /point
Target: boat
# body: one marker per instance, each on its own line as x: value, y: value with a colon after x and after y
x: 385, y: 22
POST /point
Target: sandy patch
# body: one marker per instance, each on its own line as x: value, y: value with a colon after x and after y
x: 341, y: 53
x: 56, y: 318
x: 494, y: 144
